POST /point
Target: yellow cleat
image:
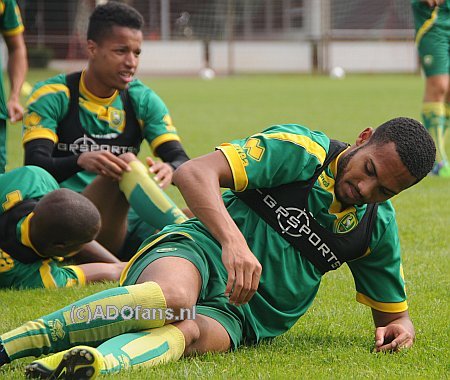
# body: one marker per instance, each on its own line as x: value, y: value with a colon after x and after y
x: 78, y: 363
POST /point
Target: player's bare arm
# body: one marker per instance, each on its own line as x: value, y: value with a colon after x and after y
x: 17, y: 69
x: 209, y: 173
x: 394, y: 331
x: 95, y: 252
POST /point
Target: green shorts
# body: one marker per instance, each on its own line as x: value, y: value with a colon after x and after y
x: 211, y: 302
x: 41, y: 274
x: 433, y: 38
x: 137, y: 232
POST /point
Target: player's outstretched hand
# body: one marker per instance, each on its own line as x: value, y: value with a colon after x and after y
x: 244, y: 272
x: 393, y: 337
x: 163, y: 172
x: 103, y: 163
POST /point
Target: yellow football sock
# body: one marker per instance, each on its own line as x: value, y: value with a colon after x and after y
x: 90, y: 321
x: 149, y: 201
x: 433, y: 114
x: 144, y: 348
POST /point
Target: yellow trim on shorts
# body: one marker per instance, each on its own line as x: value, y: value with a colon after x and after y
x: 79, y: 273
x: 156, y: 142
x: 426, y: 26
x: 40, y: 133
x: 46, y: 275
x: 123, y: 275
x: 386, y: 307
x: 13, y: 32
x: 237, y: 167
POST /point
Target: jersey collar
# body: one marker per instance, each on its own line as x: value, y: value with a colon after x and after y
x: 93, y: 98
x: 23, y: 228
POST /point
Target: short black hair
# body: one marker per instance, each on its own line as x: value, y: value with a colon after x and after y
x: 63, y: 216
x: 412, y: 142
x: 112, y: 14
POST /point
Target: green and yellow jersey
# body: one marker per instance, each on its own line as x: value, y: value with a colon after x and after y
x: 100, y: 118
x: 279, y: 155
x: 10, y: 25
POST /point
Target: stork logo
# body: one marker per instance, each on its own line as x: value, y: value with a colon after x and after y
x: 87, y: 144
x: 295, y: 222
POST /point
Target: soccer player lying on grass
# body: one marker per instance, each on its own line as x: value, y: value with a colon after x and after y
x: 39, y: 221
x: 252, y: 262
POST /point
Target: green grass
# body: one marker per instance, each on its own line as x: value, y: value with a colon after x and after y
x: 334, y: 339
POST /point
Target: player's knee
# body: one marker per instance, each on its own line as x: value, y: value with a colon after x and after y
x: 177, y: 297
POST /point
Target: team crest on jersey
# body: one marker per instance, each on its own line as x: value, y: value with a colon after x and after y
x: 31, y: 121
x: 116, y: 119
x: 347, y: 223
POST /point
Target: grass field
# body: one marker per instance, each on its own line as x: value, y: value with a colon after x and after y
x: 334, y: 339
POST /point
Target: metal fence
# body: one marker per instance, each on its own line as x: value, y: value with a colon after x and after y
x: 61, y: 25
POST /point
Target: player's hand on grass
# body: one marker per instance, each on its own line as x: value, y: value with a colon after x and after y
x: 244, y: 272
x: 163, y: 172
x: 103, y: 163
x: 393, y: 337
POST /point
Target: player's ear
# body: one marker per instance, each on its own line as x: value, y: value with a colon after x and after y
x: 364, y: 136
x: 91, y: 48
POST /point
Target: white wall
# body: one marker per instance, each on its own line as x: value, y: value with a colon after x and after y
x: 171, y: 57
x: 374, y: 56
x: 187, y: 57
x: 262, y: 57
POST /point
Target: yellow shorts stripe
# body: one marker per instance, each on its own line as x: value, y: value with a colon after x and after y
x: 427, y: 25
x: 144, y: 249
x: 386, y: 307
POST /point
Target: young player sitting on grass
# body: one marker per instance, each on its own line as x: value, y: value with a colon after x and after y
x: 75, y: 126
x: 252, y: 262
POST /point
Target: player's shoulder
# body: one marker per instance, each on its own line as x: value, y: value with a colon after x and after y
x: 54, y: 87
x: 299, y: 135
x: 143, y: 96
x: 386, y: 218
x: 296, y: 129
x: 59, y: 79
x: 29, y: 171
x: 137, y: 88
